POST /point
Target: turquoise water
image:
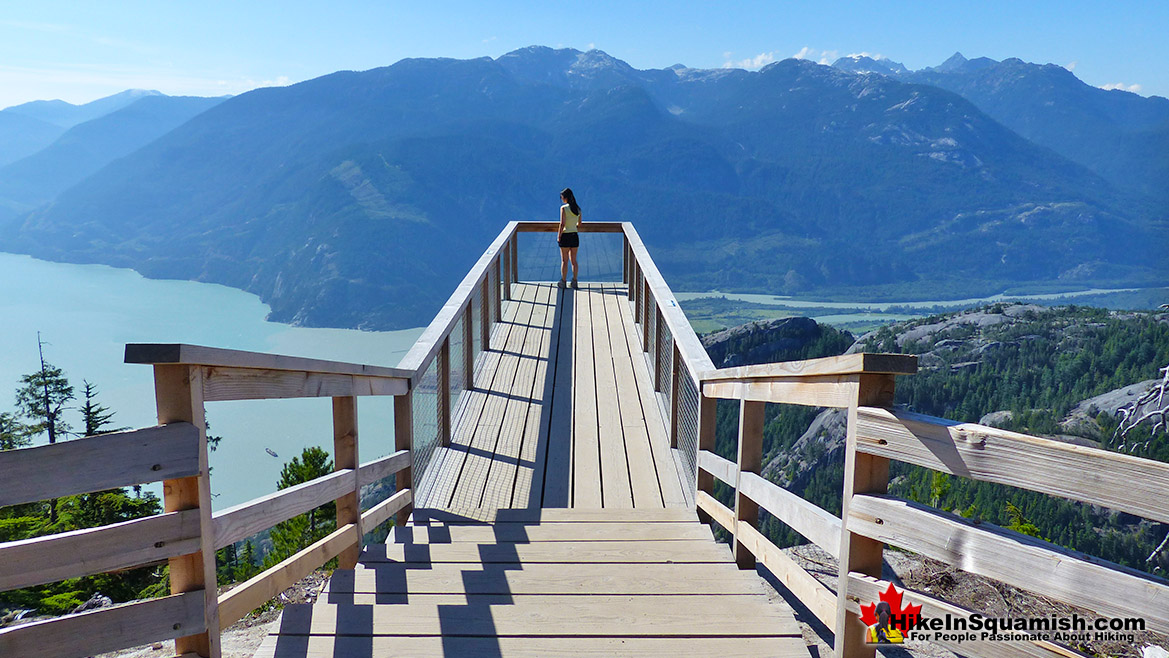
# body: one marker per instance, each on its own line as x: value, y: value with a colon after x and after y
x: 780, y: 300
x: 87, y: 313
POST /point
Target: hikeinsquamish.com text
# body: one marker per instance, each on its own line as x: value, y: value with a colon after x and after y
x: 1054, y: 628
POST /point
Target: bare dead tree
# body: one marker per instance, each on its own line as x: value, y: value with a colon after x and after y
x: 1151, y: 407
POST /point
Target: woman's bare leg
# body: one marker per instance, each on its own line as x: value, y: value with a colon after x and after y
x: 564, y: 263
x: 575, y: 267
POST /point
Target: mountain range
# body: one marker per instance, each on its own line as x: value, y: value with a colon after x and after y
x: 360, y: 198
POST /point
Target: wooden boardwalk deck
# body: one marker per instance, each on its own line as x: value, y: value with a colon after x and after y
x: 552, y: 582
x: 563, y: 412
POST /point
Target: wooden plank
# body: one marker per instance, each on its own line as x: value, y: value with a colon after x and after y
x: 625, y: 396
x: 693, y: 354
x: 380, y: 513
x: 586, y: 447
x: 178, y: 396
x: 723, y: 469
x: 1118, y: 481
x: 428, y: 344
x: 868, y: 589
x: 813, y: 391
x: 477, y: 463
x: 572, y: 616
x: 528, y: 489
x: 616, y: 488
x: 383, y: 467
x: 426, y: 647
x: 97, y: 463
x: 819, y: 526
x: 585, y: 227
x: 268, y: 584
x: 557, y: 436
x: 1013, y: 558
x: 750, y: 460
x: 811, y: 592
x: 515, y: 532
x: 620, y: 551
x: 318, y: 646
x: 544, y: 579
x: 655, y: 425
x: 720, y: 513
x: 518, y: 427
x: 180, y: 354
x: 85, y: 552
x: 107, y: 629
x: 707, y: 415
x: 225, y: 383
x: 845, y: 364
x: 345, y: 457
x: 455, y: 516
x: 246, y: 519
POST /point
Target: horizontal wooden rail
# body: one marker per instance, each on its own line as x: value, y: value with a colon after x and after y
x: 689, y: 347
x: 222, y: 383
x: 811, y: 592
x: 270, y: 583
x: 818, y: 525
x: 723, y: 469
x: 869, y: 589
x: 845, y: 364
x: 97, y: 463
x: 431, y: 340
x: 1013, y: 558
x: 722, y: 514
x: 585, y: 227
x: 383, y: 467
x: 88, y: 551
x: 380, y: 513
x: 813, y: 391
x: 1114, y: 480
x: 246, y: 519
x: 198, y: 355
x: 108, y: 629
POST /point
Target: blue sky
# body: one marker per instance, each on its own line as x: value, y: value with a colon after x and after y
x: 82, y: 51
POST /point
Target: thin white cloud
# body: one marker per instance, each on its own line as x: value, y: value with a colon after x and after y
x: 751, y: 63
x: 819, y: 56
x: 592, y: 46
x: 1136, y: 89
x: 490, y: 39
x: 1071, y: 66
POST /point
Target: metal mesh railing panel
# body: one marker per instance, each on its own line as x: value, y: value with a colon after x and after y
x: 688, y: 426
x: 651, y: 318
x: 492, y: 298
x: 475, y: 315
x: 458, y: 366
x: 666, y: 362
x: 426, y: 418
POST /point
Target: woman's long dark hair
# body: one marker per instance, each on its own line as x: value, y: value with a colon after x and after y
x: 572, y: 205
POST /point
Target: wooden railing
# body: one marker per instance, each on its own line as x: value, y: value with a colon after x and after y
x: 863, y: 384
x: 188, y: 534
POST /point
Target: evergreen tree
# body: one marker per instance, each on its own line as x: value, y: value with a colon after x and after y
x: 300, y: 531
x: 41, y: 399
x: 96, y: 416
x: 13, y: 433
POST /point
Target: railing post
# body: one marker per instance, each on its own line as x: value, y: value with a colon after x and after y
x: 178, y: 391
x: 496, y: 292
x: 444, y: 393
x: 707, y: 424
x: 675, y: 379
x: 515, y: 257
x: 485, y: 311
x: 751, y: 461
x: 468, y: 350
x: 657, y: 338
x: 404, y: 440
x: 635, y: 291
x: 863, y: 474
x: 625, y: 278
x: 505, y: 268
x: 645, y: 315
x: 345, y: 456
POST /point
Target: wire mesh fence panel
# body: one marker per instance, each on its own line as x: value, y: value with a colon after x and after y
x: 651, y: 317
x: 666, y: 362
x: 475, y: 316
x: 688, y: 426
x: 426, y: 418
x: 539, y: 257
x: 458, y: 357
x: 492, y: 298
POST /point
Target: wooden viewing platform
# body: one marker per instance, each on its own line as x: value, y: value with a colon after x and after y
x: 554, y: 474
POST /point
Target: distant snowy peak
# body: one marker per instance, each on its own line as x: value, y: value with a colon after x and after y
x: 867, y: 64
x: 959, y: 64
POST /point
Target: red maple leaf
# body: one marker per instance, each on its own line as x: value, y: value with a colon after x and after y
x: 900, y: 618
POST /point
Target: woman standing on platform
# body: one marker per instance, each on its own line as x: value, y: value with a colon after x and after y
x: 567, y: 236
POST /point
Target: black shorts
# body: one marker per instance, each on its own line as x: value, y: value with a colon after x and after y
x: 569, y: 240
